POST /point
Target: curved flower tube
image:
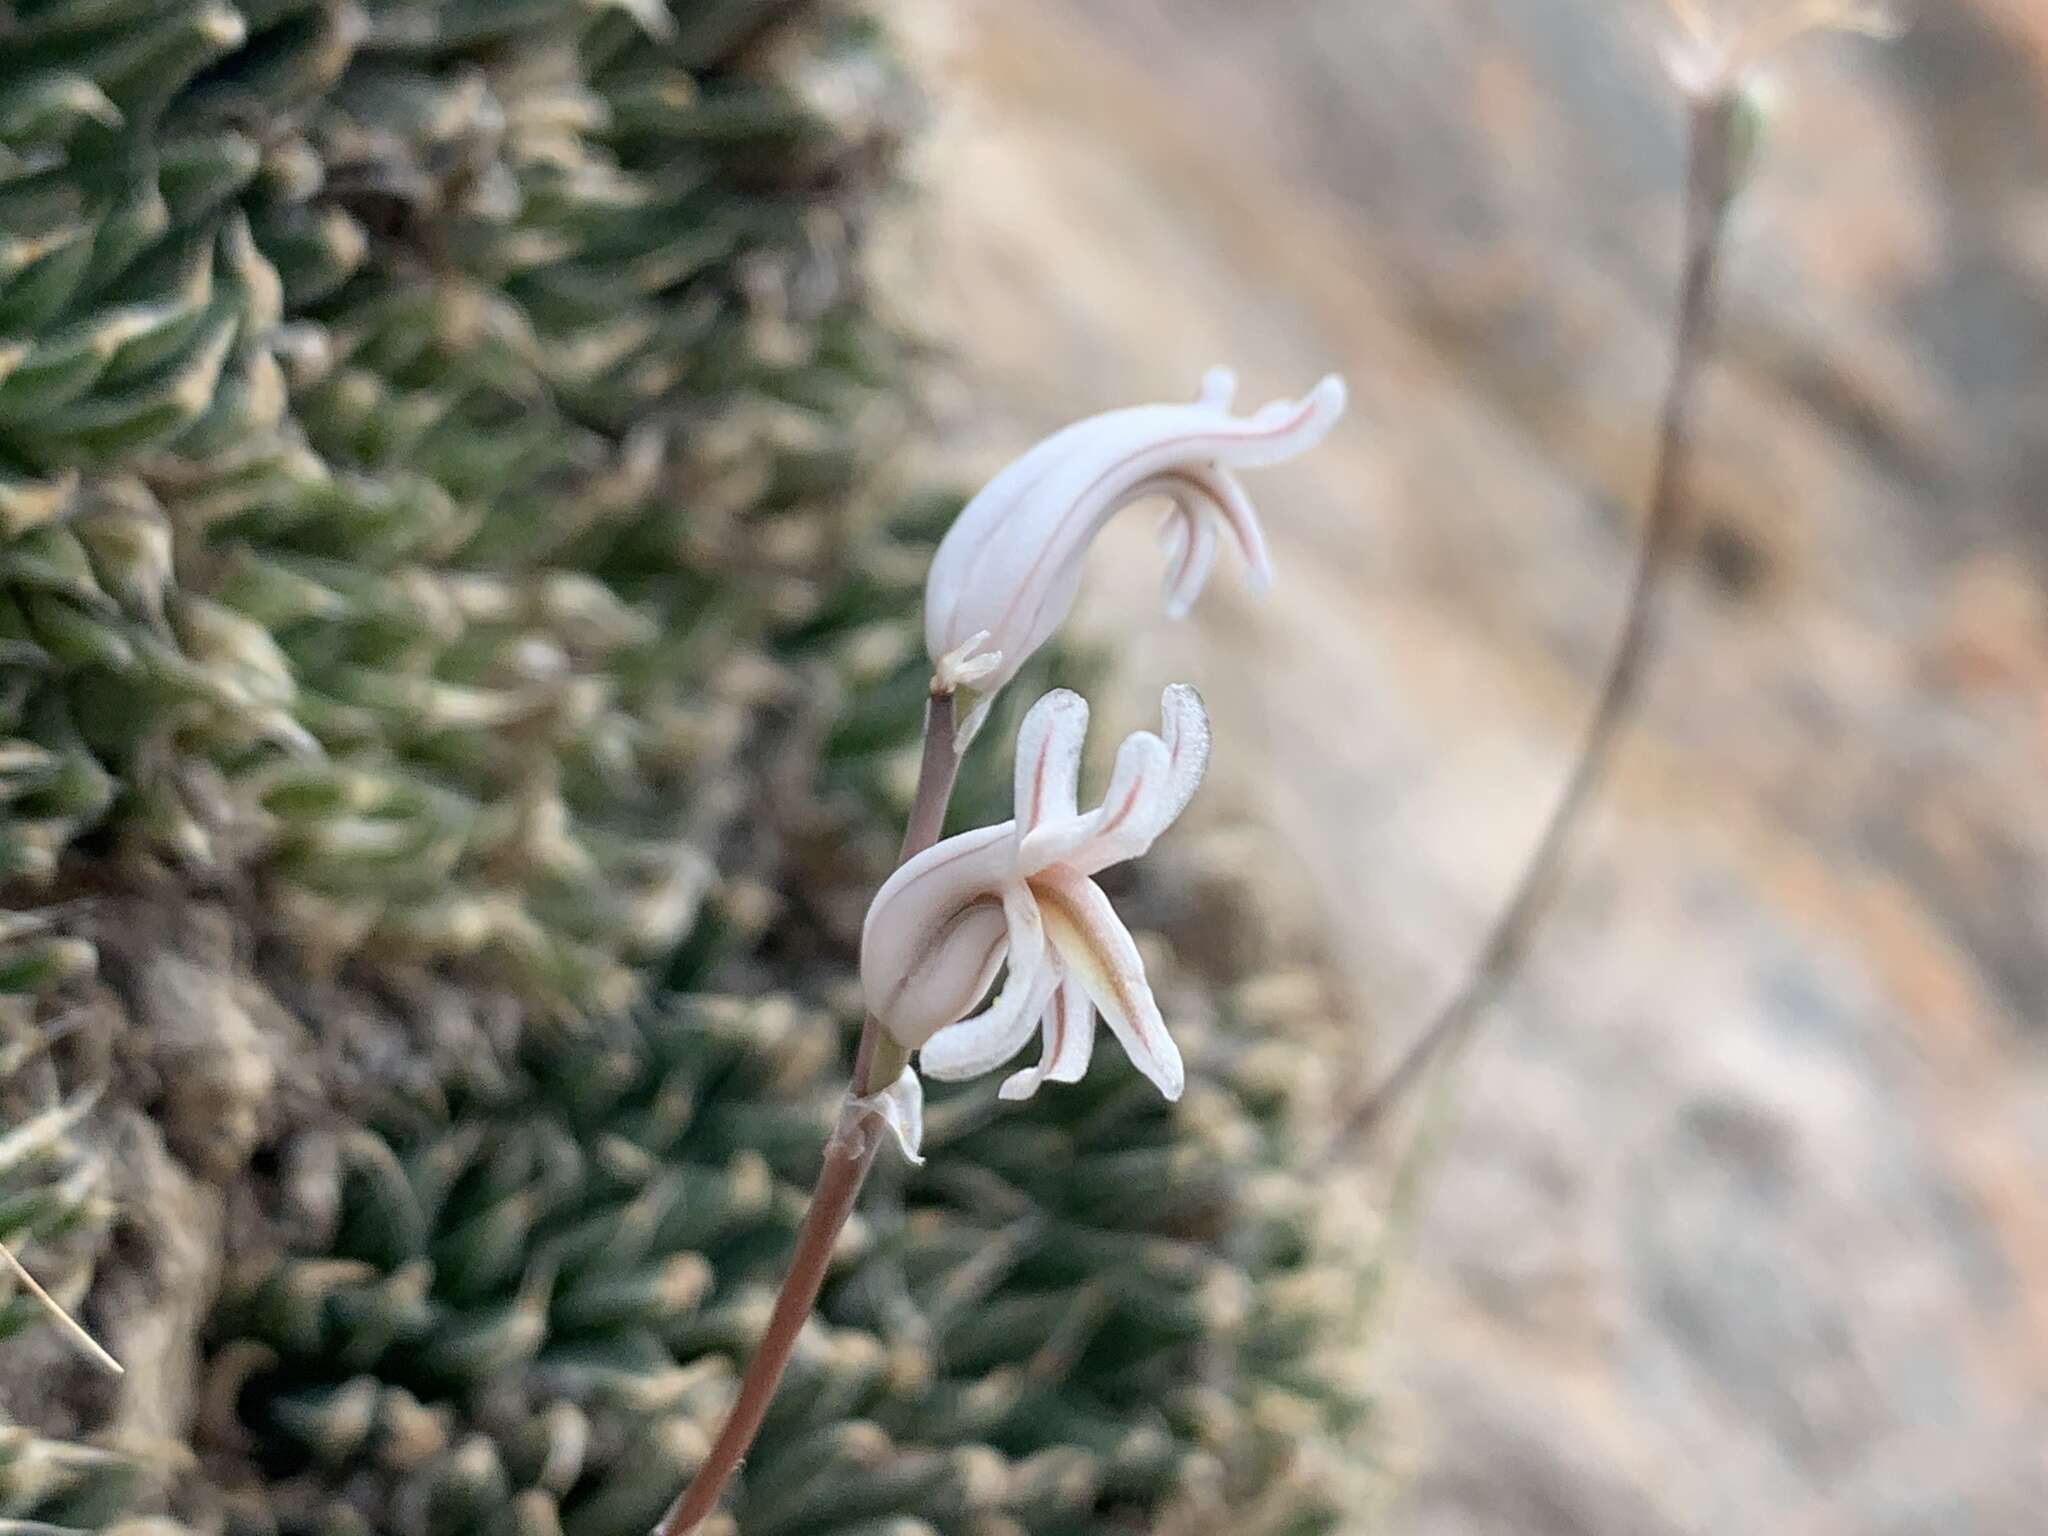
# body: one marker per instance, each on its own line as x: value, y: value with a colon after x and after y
x: 1007, y: 571
x: 1023, y: 893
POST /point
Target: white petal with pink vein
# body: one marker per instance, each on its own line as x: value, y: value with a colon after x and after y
x: 1010, y: 566
x: 1021, y: 893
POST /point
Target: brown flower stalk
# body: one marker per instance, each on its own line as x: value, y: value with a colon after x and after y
x: 849, y: 1154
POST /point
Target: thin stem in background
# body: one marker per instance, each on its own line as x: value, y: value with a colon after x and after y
x: 878, y: 1061
x: 64, y: 1320
x: 1713, y: 153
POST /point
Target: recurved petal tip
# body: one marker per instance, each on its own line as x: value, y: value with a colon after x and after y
x: 1286, y: 429
x: 1320, y: 409
x: 1329, y: 397
x: 1219, y: 388
x: 1180, y: 707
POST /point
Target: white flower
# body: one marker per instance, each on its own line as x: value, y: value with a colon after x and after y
x: 1007, y: 571
x: 1022, y: 891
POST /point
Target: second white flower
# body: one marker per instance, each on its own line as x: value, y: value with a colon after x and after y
x: 1023, y: 893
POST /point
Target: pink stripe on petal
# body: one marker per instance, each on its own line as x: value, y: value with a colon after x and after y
x: 1143, y: 765
x: 1153, y: 781
x: 1186, y: 584
x: 1165, y: 793
x: 1123, y: 820
x: 1234, y: 511
x: 1049, y: 759
x: 971, y: 862
x: 1282, y: 429
x: 1206, y: 497
x: 985, y: 522
x: 1070, y: 1043
x: 1055, y: 563
x: 945, y: 978
x: 1068, y: 1032
x: 1076, y: 1046
x: 1096, y: 950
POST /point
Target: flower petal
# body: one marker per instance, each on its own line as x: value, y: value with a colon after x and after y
x: 1189, y: 573
x: 1173, y: 543
x: 900, y: 1106
x: 988, y: 1039
x: 1186, y: 726
x: 1233, y: 510
x: 1096, y: 950
x: 1011, y: 562
x: 949, y: 976
x: 1219, y: 388
x: 1152, y: 782
x: 1140, y: 774
x: 936, y: 934
x: 1049, y: 759
x: 1068, y: 1028
x: 1207, y: 498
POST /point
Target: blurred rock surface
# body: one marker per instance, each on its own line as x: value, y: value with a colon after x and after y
x: 1744, y: 1226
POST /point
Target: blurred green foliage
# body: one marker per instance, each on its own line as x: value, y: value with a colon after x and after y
x: 445, y: 524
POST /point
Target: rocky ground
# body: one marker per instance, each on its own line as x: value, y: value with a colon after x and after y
x: 1743, y: 1225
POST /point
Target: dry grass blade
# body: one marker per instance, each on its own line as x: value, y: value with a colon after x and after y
x: 64, y: 1320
